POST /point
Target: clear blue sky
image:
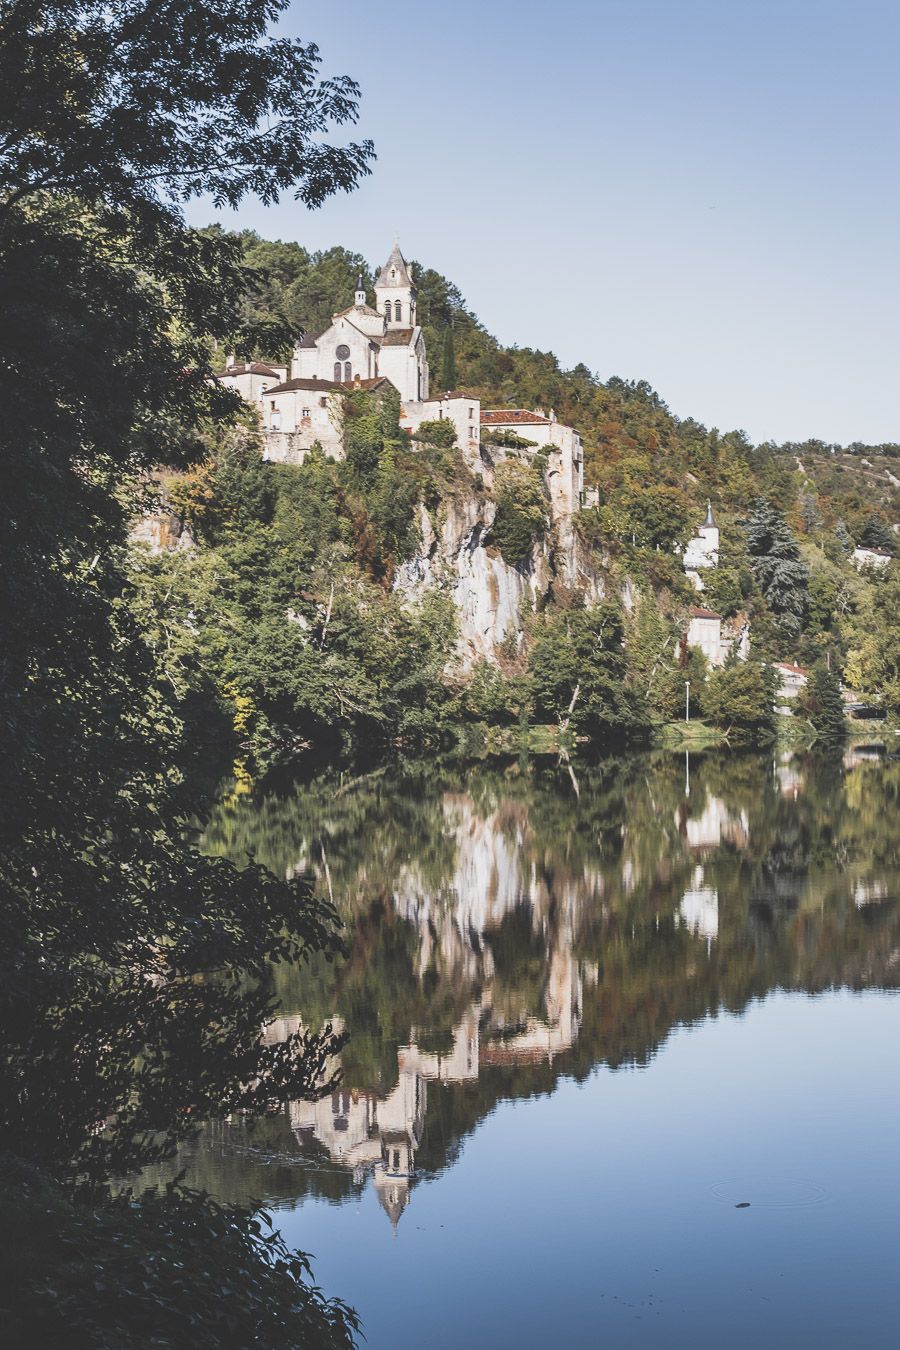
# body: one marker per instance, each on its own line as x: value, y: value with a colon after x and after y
x: 701, y: 193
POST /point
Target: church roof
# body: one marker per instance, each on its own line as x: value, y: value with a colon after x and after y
x: 250, y: 368
x: 358, y: 309
x: 696, y: 612
x: 309, y: 339
x: 397, y: 337
x: 503, y: 417
x: 323, y: 386
x: 396, y: 263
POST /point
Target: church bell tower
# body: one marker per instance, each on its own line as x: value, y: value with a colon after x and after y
x: 395, y: 292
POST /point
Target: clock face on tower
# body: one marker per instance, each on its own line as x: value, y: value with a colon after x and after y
x: 342, y: 352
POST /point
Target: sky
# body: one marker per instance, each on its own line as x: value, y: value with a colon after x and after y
x: 700, y: 193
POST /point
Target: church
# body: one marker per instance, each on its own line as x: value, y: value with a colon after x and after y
x: 364, y: 344
x: 382, y: 348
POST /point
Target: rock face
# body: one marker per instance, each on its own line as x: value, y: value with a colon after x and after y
x: 161, y: 531
x: 491, y: 596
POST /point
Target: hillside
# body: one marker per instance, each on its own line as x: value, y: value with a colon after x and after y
x: 396, y: 597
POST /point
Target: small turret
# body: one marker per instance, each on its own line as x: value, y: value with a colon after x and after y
x: 360, y: 296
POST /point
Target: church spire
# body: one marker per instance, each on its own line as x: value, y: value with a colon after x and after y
x: 360, y: 296
x: 710, y: 521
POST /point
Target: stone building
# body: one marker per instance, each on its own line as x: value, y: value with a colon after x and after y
x: 383, y: 348
x: 252, y: 379
x: 561, y: 444
x: 708, y: 631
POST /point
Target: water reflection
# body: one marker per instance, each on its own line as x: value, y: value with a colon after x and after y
x: 511, y: 926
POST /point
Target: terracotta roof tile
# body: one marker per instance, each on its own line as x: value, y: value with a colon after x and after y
x: 505, y: 417
x: 698, y: 613
x: 397, y: 337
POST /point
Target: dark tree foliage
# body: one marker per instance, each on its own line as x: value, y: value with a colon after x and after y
x: 114, y: 1274
x: 822, y: 703
x: 740, y: 698
x: 145, y: 103
x: 775, y: 559
x: 579, y: 672
x: 135, y: 972
x: 448, y: 360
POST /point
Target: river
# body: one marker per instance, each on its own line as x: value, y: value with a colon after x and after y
x: 621, y: 1065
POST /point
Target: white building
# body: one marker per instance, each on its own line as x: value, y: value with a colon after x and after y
x: 462, y: 411
x: 877, y: 558
x: 791, y: 681
x: 561, y: 444
x: 252, y: 379
x: 709, y: 633
x: 382, y: 348
x: 362, y: 343
x: 702, y: 550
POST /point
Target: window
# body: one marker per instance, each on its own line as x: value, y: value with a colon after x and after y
x: 323, y: 402
x: 305, y: 412
x: 398, y: 312
x: 396, y: 1160
x: 272, y: 404
x: 342, y: 352
x: 348, y: 371
x: 387, y: 310
x: 337, y: 372
x: 471, y: 414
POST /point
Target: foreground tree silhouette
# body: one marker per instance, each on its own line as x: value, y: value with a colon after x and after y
x: 134, y: 973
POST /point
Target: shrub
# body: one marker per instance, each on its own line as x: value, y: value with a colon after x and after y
x: 511, y: 440
x: 521, y: 515
x: 440, y: 432
x: 740, y: 698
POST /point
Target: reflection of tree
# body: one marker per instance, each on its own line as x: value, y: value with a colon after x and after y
x: 483, y: 896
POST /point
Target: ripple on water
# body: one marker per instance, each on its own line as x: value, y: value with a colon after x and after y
x: 770, y: 1194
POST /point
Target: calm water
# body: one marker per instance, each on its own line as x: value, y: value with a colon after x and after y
x: 591, y: 1012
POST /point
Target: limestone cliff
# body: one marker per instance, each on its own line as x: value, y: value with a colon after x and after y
x: 492, y: 596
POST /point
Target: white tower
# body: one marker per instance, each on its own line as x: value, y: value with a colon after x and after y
x: 709, y: 533
x: 395, y: 292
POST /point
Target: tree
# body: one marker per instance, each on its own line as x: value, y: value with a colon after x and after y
x: 440, y: 432
x: 822, y: 703
x: 579, y: 674
x: 521, y: 515
x: 775, y: 559
x: 740, y: 698
x: 448, y: 360
x: 113, y: 925
x: 104, y: 119
x: 877, y: 533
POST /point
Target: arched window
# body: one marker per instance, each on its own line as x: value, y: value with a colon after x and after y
x: 337, y: 372
x: 387, y: 310
x: 348, y: 372
x: 398, y: 312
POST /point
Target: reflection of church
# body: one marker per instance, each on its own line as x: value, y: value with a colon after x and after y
x: 699, y: 907
x: 380, y: 1135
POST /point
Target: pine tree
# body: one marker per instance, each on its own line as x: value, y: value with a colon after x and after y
x: 775, y: 558
x: 448, y: 361
x: 824, y: 706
